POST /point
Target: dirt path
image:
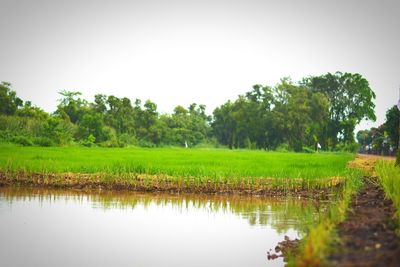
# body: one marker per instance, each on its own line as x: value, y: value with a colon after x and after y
x: 367, y: 162
x: 368, y: 235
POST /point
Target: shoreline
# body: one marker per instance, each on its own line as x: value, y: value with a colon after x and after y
x: 323, y: 188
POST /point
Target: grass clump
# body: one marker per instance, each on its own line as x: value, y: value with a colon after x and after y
x: 389, y: 176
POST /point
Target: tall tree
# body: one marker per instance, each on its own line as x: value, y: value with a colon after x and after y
x: 351, y: 100
x: 71, y: 106
x: 392, y: 126
x: 319, y: 108
x: 120, y: 114
x: 224, y: 125
x: 9, y: 102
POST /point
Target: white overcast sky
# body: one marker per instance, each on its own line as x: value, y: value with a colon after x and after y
x: 183, y: 51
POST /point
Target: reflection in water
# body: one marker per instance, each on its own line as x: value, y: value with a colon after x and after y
x: 71, y: 228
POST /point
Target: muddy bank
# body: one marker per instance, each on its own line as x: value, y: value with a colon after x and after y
x: 368, y: 235
x: 284, y: 249
x: 164, y: 183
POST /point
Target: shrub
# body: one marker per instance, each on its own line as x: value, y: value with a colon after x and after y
x: 110, y: 143
x: 43, y: 141
x: 126, y: 140
x: 308, y: 150
x: 4, y: 135
x: 284, y: 147
x: 21, y: 140
x: 145, y: 143
x: 89, y: 142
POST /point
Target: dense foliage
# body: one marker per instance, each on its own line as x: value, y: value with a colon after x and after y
x: 384, y: 139
x: 323, y: 109
x: 289, y: 116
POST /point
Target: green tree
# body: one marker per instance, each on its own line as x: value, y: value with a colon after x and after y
x: 267, y: 117
x: 9, y: 102
x: 392, y: 126
x: 319, y: 108
x: 31, y: 112
x: 260, y: 101
x: 298, y: 117
x: 378, y: 139
x: 120, y: 114
x: 100, y: 103
x: 71, y: 106
x: 199, y: 123
x: 364, y: 138
x: 145, y: 120
x: 351, y: 100
x: 60, y: 131
x: 224, y: 125
x: 91, y: 124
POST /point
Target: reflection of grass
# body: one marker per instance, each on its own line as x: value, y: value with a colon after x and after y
x: 389, y: 176
x: 241, y: 169
x: 281, y: 214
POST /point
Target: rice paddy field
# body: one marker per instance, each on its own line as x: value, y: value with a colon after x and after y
x: 210, y: 163
x: 329, y: 181
x: 275, y: 174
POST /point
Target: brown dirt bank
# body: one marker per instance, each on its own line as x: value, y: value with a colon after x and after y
x: 284, y: 249
x: 163, y: 183
x: 368, y: 235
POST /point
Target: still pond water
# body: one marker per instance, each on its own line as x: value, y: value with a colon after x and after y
x: 41, y: 227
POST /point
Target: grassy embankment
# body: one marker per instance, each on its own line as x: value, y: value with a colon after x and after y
x: 322, y: 237
x: 171, y: 168
x: 389, y: 176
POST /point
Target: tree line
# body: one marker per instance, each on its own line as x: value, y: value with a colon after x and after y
x: 382, y: 140
x: 295, y: 116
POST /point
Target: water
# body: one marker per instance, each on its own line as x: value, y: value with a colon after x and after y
x: 67, y: 228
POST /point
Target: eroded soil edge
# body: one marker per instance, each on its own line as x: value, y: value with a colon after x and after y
x: 164, y: 183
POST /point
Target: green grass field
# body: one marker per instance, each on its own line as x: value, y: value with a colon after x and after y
x: 212, y: 163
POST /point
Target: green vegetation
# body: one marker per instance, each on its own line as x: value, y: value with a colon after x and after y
x: 389, y: 176
x: 211, y: 163
x: 323, y: 109
x: 174, y: 169
x: 383, y: 140
x: 318, y: 243
x: 289, y: 116
x: 112, y: 143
